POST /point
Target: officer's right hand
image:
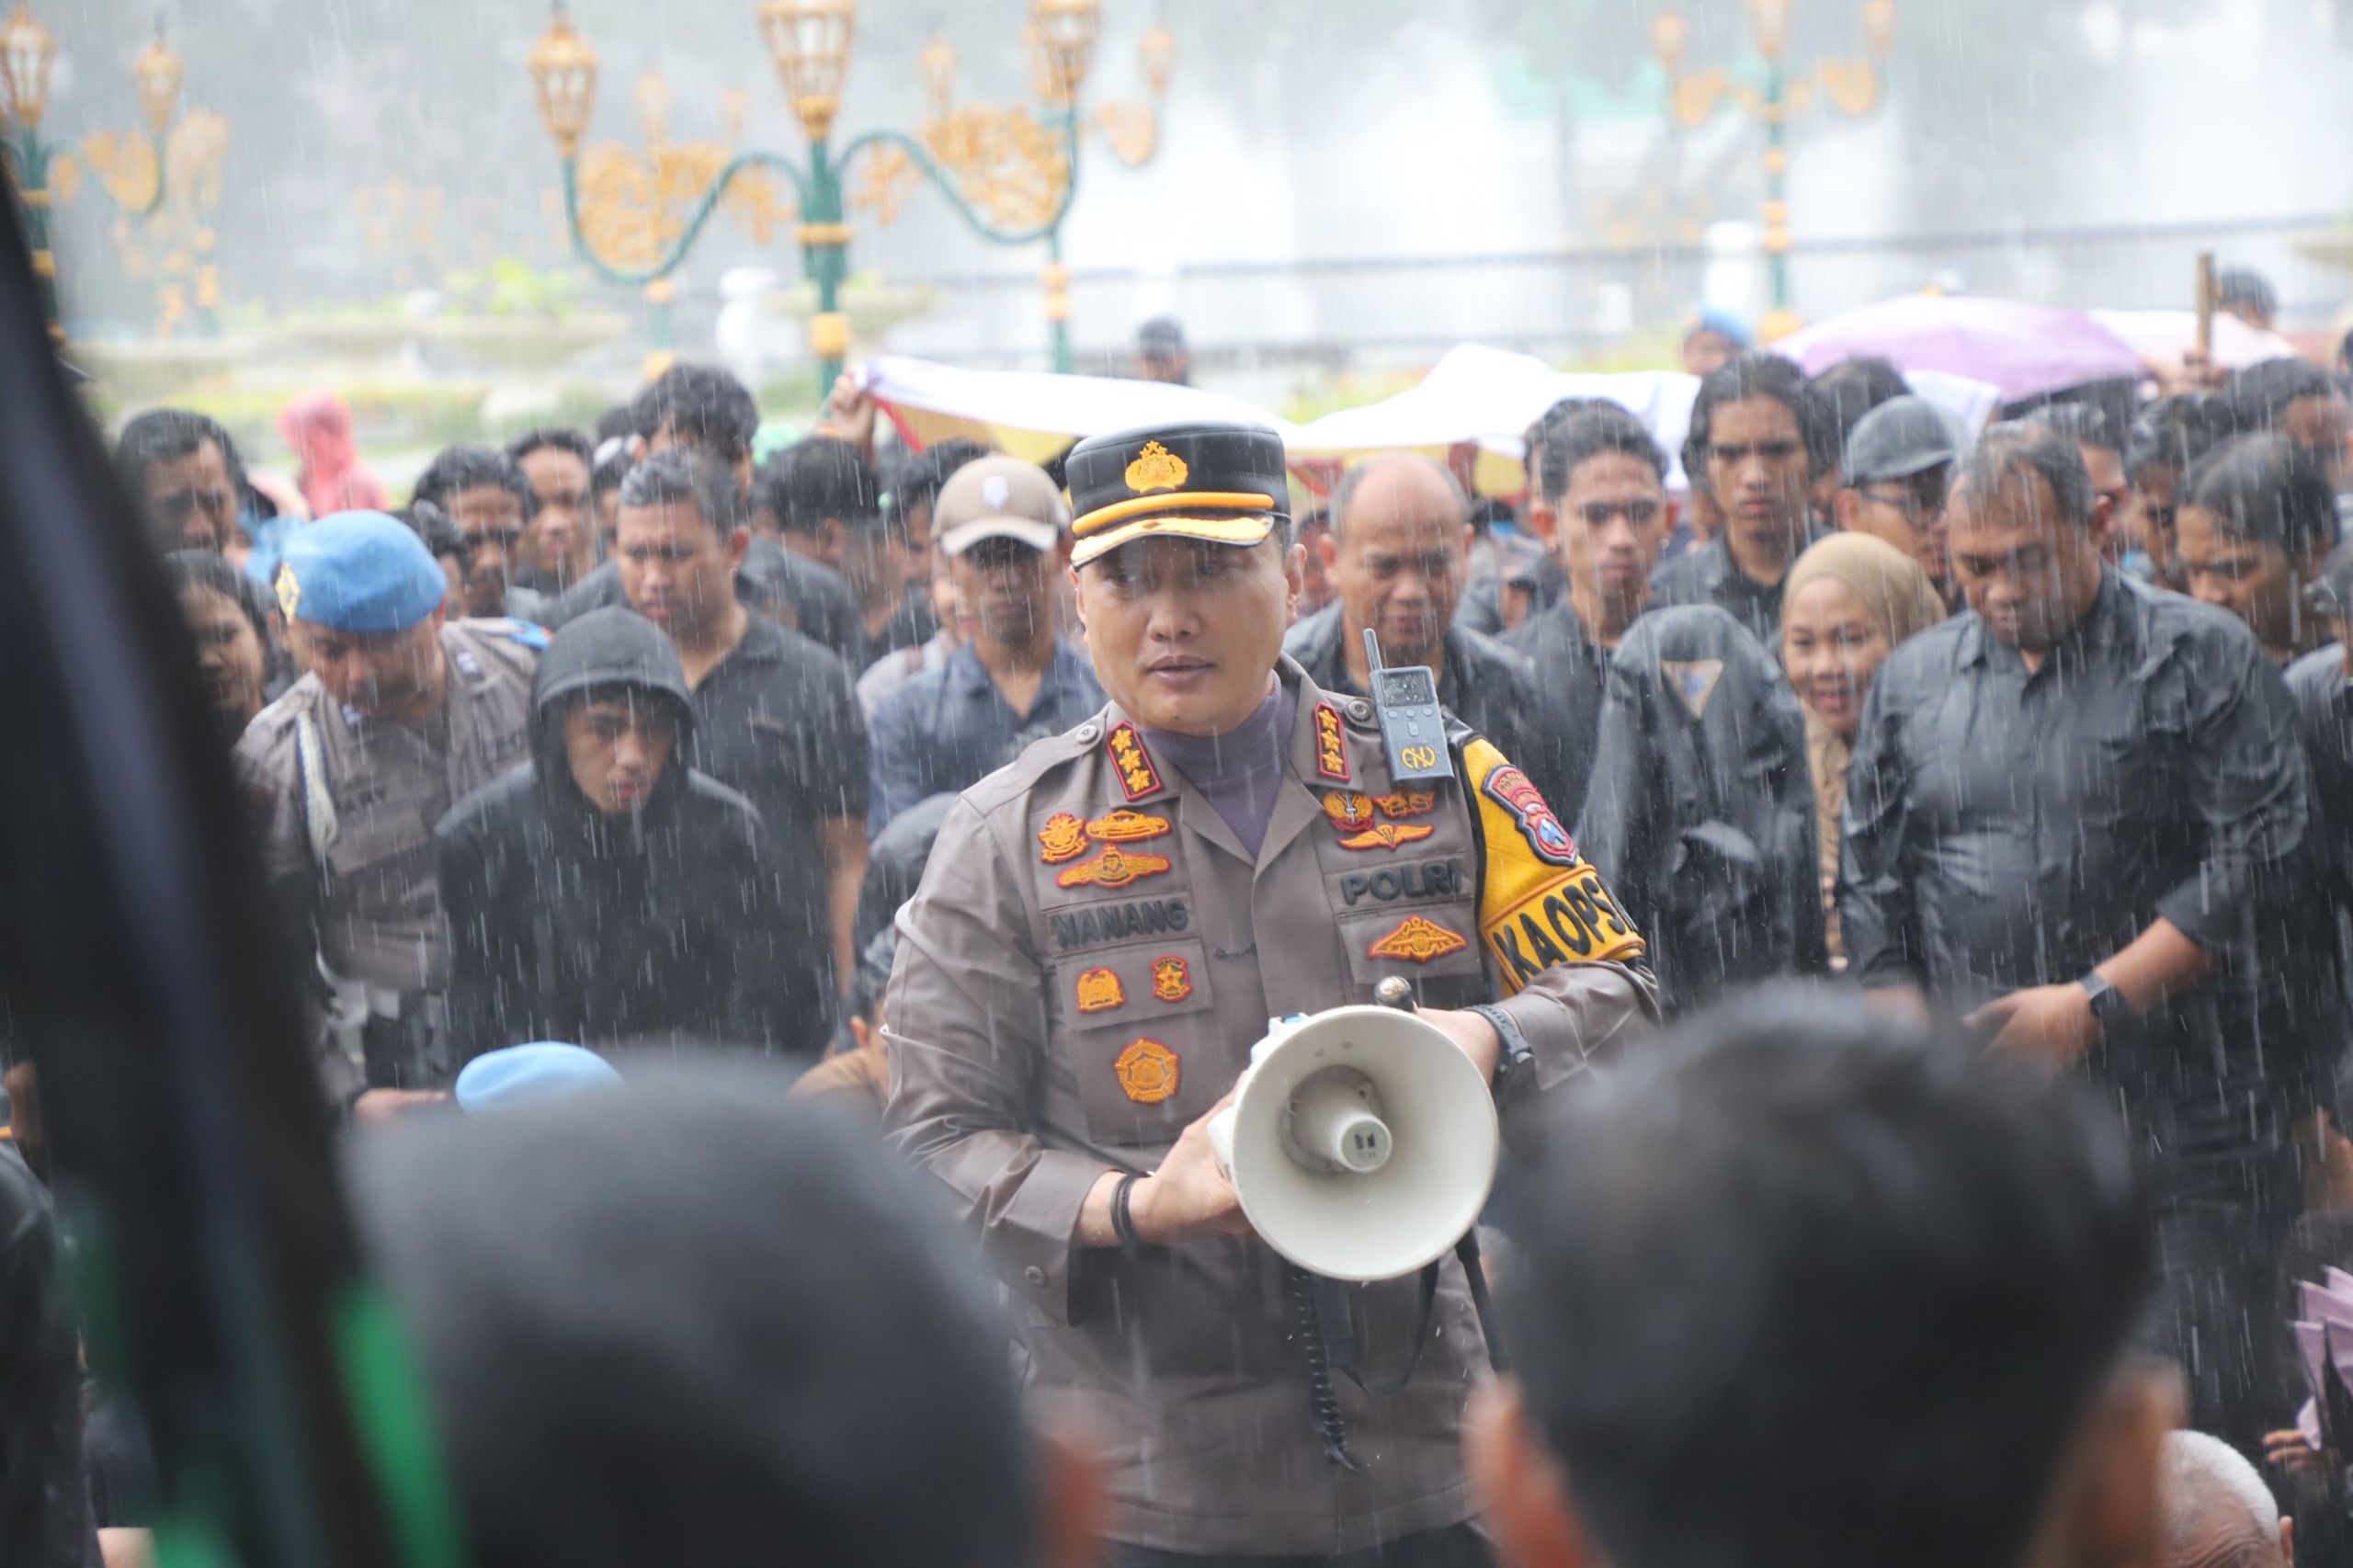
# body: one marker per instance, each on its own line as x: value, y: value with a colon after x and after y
x: 1188, y: 1197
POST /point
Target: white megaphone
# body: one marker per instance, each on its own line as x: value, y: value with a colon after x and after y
x: 1361, y: 1142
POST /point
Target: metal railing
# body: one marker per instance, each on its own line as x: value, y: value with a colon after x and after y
x: 1366, y: 312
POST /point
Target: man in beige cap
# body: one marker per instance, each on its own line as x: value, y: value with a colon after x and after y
x: 1001, y: 524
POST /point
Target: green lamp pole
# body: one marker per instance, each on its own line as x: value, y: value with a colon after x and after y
x: 28, y: 55
x: 810, y: 42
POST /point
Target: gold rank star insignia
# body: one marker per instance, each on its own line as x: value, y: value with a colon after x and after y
x: 1063, y: 838
x: 1113, y: 868
x: 1155, y: 468
x: 1418, y: 939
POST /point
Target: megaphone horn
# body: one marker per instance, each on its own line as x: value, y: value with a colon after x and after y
x: 1361, y: 1142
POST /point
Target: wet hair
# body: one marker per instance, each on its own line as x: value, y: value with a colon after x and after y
x: 2174, y: 432
x: 2257, y: 398
x: 2086, y: 424
x: 917, y: 477
x: 704, y: 406
x: 1592, y: 430
x: 684, y: 473
x: 1759, y: 374
x: 797, y: 1345
x: 2268, y: 489
x: 1852, y: 388
x: 816, y: 479
x: 561, y: 438
x: 2245, y: 286
x: 432, y: 525
x: 167, y: 434
x: 2031, y: 449
x: 617, y: 423
x: 608, y: 475
x: 1801, y: 1289
x: 1344, y: 494
x: 459, y: 469
x: 186, y: 569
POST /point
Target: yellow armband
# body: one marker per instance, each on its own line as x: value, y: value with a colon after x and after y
x: 1539, y: 902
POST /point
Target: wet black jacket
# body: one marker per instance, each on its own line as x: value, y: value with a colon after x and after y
x: 566, y: 924
x: 2007, y: 829
x: 2322, y: 694
x: 45, y: 1518
x: 1701, y: 814
x: 1487, y: 686
x: 1572, y: 677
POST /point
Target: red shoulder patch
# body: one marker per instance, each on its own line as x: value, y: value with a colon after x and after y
x: 1510, y: 788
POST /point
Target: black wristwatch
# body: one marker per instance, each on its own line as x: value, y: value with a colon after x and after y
x: 2109, y: 1006
x: 1516, y: 1063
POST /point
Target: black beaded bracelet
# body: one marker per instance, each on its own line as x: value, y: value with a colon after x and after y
x: 1123, y: 1222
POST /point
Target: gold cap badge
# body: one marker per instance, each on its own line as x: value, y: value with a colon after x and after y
x: 289, y: 592
x: 1157, y: 468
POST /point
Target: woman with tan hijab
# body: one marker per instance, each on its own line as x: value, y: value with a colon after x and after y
x: 1844, y: 606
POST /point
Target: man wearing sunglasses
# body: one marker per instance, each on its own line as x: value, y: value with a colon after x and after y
x: 1899, y: 465
x: 1764, y: 434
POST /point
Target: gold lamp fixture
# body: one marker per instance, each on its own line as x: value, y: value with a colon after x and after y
x: 158, y: 73
x: 937, y: 65
x: 810, y: 42
x: 28, y: 54
x: 563, y: 71
x: 1065, y: 31
x: 1156, y: 57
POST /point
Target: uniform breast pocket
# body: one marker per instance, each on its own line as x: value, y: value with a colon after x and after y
x: 1424, y: 942
x: 375, y: 851
x: 1143, y: 1039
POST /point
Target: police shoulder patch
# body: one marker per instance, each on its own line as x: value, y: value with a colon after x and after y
x: 1540, y: 904
x: 1510, y: 788
x: 1137, y: 774
x: 1331, y: 747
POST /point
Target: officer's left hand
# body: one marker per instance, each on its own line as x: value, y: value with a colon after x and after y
x: 379, y: 1107
x: 2053, y: 1023
x: 1474, y: 1034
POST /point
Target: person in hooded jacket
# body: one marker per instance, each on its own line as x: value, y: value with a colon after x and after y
x: 603, y: 892
x: 1700, y: 810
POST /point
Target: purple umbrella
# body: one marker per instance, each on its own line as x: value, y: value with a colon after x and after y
x: 2023, y: 349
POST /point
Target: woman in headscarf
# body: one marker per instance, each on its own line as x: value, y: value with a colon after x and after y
x: 1844, y: 606
x: 332, y: 479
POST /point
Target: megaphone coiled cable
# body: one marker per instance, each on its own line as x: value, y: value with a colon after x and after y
x: 1323, y: 1399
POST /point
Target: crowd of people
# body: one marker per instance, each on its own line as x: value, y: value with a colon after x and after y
x: 1815, y: 808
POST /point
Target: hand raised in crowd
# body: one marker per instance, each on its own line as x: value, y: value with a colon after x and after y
x: 2051, y: 1022
x: 849, y: 414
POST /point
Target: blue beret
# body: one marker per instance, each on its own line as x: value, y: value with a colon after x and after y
x: 358, y: 571
x: 525, y: 1075
x: 1726, y: 324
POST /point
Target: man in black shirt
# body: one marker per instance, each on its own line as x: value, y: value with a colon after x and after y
x: 1600, y: 505
x: 2071, y: 810
x: 1759, y: 428
x: 774, y: 718
x: 1398, y: 553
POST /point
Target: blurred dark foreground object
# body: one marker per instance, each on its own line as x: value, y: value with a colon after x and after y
x: 1799, y: 1288
x: 689, y: 1321
x: 215, y: 1271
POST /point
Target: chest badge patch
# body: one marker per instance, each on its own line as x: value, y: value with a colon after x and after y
x: 1100, y: 991
x: 1510, y: 788
x: 1063, y: 838
x: 1694, y: 681
x: 1148, y: 1072
x: 1387, y: 835
x: 1124, y: 826
x: 1137, y: 776
x: 1113, y: 868
x: 1347, y: 810
x: 1331, y: 751
x: 1418, y: 939
x: 1171, y: 981
x: 1407, y: 802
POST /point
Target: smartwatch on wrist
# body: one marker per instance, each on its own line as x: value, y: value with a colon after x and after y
x: 2109, y: 1007
x: 1516, y: 1063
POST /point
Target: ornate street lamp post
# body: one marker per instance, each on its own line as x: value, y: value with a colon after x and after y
x: 1852, y: 83
x: 131, y: 165
x: 1008, y: 173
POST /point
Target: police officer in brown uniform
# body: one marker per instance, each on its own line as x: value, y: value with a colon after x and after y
x: 1104, y: 932
x: 398, y: 718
